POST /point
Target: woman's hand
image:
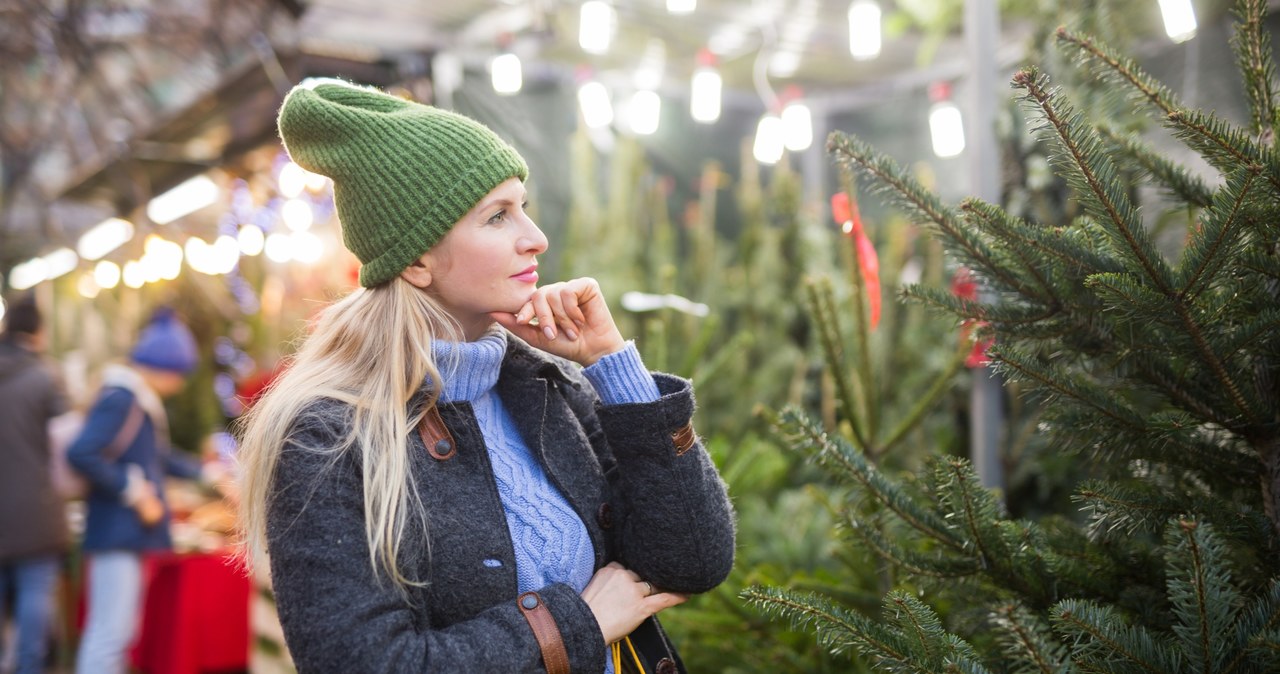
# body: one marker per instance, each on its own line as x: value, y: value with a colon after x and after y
x: 620, y: 600
x: 573, y: 321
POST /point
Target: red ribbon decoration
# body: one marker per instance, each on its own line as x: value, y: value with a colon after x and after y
x: 964, y: 286
x: 845, y: 212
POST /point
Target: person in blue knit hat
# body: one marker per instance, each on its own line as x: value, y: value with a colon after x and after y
x: 462, y: 470
x: 123, y: 453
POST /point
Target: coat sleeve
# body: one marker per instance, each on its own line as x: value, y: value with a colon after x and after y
x: 102, y: 425
x: 673, y: 523
x: 338, y: 616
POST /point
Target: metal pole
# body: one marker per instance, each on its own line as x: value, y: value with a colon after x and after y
x: 982, y: 40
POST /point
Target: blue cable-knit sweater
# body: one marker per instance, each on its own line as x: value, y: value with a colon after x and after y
x: 551, y: 543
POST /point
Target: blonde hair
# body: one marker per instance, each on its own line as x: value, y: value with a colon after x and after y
x: 371, y: 351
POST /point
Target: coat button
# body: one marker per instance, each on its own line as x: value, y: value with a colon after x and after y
x: 665, y: 666
x: 529, y: 601
x: 443, y: 446
x: 604, y: 516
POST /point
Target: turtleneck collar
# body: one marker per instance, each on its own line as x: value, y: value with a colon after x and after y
x: 470, y: 369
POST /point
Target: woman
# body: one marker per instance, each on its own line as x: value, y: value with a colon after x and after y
x: 123, y: 453
x: 461, y: 471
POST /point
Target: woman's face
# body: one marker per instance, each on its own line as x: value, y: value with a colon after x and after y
x: 487, y: 262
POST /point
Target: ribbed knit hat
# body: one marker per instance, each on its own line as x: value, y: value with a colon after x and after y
x: 403, y: 172
x: 166, y: 343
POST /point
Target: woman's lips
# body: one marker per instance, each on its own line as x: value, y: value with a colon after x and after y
x: 529, y: 275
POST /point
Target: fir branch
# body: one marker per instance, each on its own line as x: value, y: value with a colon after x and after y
x: 1056, y: 380
x: 801, y: 433
x: 1262, y: 262
x: 1224, y: 146
x: 1176, y: 179
x: 1205, y: 253
x: 1200, y: 589
x: 1216, y: 366
x: 1116, y: 66
x: 1255, y: 625
x: 1006, y: 313
x: 941, y: 384
x: 1028, y: 642
x: 1102, y: 638
x: 1055, y: 243
x: 965, y: 497
x: 1092, y: 174
x: 1265, y: 324
x: 818, y: 294
x: 920, y: 204
x: 1252, y: 44
x: 1204, y: 133
x: 1123, y: 510
x: 1125, y: 293
x: 837, y: 628
x: 912, y: 562
x: 1008, y: 232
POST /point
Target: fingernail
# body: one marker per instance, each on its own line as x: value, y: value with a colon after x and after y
x: 551, y: 334
x: 571, y: 335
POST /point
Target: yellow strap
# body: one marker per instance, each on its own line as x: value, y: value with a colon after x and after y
x: 616, y: 648
x: 634, y: 655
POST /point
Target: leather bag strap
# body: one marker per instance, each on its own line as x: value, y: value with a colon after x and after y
x: 545, y: 630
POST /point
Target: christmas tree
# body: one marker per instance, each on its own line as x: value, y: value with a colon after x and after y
x: 1161, y: 369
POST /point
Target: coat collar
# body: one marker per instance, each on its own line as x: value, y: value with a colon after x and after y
x: 523, y: 362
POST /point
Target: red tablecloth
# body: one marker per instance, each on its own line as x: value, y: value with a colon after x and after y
x: 196, y: 617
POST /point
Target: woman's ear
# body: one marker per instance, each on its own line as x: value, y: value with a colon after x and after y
x: 417, y: 274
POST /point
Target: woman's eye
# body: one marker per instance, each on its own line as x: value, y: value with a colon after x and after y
x: 497, y: 217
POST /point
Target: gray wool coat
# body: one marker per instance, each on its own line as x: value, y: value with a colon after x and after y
x: 662, y: 514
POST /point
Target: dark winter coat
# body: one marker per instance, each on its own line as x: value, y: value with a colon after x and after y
x: 661, y: 513
x: 32, y: 518
x: 111, y: 524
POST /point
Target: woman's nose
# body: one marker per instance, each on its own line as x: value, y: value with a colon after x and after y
x: 534, y: 241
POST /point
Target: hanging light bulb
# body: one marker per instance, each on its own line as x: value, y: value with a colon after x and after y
x: 1179, y: 19
x: 506, y: 74
x: 596, y: 24
x: 768, y: 146
x: 103, y: 238
x: 681, y: 6
x: 188, y: 197
x: 292, y: 180
x: 597, y: 110
x: 945, y: 124
x: 864, y: 29
x: 797, y: 121
x: 704, y: 101
x: 645, y: 110
x: 107, y: 274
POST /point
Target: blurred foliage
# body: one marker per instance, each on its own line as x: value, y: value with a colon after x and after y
x: 758, y: 348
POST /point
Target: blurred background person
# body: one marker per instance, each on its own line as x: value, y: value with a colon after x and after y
x: 33, y: 531
x: 127, y: 514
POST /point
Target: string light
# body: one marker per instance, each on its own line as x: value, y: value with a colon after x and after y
x: 107, y: 274
x: 188, y: 197
x: 506, y: 73
x: 681, y: 6
x: 768, y: 145
x: 597, y: 110
x: 1179, y: 19
x: 946, y: 127
x: 103, y: 238
x: 645, y: 110
x: 596, y: 24
x: 864, y: 29
x: 704, y: 101
x: 797, y: 126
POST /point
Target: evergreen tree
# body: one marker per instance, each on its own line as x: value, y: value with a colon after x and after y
x: 1163, y: 372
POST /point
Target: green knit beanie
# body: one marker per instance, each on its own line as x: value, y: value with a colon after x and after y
x: 403, y: 172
